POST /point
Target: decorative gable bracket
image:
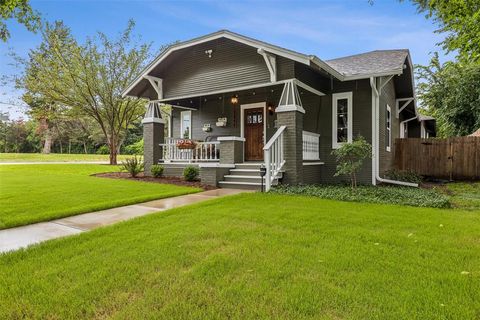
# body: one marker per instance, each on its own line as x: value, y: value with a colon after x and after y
x: 157, y: 84
x: 271, y: 62
x: 405, y: 102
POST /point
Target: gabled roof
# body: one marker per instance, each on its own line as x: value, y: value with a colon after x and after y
x: 361, y: 66
x: 378, y: 62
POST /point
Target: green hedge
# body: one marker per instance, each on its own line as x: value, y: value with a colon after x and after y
x: 417, y: 197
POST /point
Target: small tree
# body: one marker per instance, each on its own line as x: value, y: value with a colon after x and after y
x: 350, y: 157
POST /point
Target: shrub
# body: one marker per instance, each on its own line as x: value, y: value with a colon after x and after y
x: 134, y: 148
x: 403, y: 175
x: 417, y: 197
x: 157, y: 170
x: 350, y: 158
x: 133, y: 166
x: 190, y: 173
x: 103, y: 149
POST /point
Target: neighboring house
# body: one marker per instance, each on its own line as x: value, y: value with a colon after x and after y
x: 420, y: 127
x: 247, y: 102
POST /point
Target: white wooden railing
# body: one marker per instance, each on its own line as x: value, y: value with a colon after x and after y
x: 203, y: 152
x: 274, y: 157
x: 311, y: 146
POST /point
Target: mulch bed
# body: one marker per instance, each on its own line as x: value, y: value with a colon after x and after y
x: 165, y: 180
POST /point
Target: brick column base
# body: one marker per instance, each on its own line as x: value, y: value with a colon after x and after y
x: 153, y: 135
x: 231, y: 150
x: 293, y: 140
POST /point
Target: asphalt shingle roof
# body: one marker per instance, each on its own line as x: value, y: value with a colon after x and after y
x: 373, y: 62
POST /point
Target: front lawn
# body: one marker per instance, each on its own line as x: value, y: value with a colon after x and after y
x: 465, y: 195
x: 56, y: 157
x: 256, y: 256
x: 33, y: 193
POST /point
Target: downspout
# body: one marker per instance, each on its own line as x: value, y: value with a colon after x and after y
x: 376, y: 140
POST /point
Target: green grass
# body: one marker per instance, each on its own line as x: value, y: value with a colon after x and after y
x: 465, y: 195
x: 33, y: 193
x: 55, y: 157
x: 256, y: 256
x: 417, y: 197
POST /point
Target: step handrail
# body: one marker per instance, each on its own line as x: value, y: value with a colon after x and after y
x: 274, y: 157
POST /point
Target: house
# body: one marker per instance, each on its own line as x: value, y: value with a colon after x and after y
x: 246, y: 103
x: 420, y: 127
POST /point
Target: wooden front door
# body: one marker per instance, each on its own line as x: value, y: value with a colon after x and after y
x: 253, y: 132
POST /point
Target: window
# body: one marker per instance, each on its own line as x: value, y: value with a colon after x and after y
x: 342, y: 118
x: 186, y: 124
x: 388, y: 131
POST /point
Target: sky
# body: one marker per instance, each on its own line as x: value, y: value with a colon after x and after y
x: 327, y: 29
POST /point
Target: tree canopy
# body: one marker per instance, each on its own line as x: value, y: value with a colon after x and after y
x: 88, y: 77
x: 22, y: 12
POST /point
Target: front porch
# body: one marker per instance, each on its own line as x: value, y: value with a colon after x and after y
x: 225, y: 133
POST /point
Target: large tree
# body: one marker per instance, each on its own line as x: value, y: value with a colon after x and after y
x: 22, y: 12
x: 451, y: 93
x: 459, y: 21
x: 89, y: 77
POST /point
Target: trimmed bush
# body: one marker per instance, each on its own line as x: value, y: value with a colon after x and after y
x: 156, y: 170
x: 380, y: 194
x: 133, y: 166
x: 403, y: 175
x: 103, y: 150
x: 134, y: 148
x: 191, y: 173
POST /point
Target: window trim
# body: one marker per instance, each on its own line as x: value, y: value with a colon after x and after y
x: 335, y: 98
x: 182, y: 113
x: 388, y: 129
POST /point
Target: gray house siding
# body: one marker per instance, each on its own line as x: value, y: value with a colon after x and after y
x: 220, y: 106
x: 387, y: 97
x: 232, y: 64
x: 362, y: 112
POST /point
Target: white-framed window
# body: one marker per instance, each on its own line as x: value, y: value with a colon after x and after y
x: 186, y: 124
x: 388, y: 132
x: 342, y: 123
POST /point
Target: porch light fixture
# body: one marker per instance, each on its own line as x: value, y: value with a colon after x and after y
x: 270, y: 108
x: 234, y: 99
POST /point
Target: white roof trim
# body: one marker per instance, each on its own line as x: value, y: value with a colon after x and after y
x: 213, y: 36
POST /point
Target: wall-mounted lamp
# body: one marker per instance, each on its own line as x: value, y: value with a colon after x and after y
x: 234, y: 99
x: 271, y: 109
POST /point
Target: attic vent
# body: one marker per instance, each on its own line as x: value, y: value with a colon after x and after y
x: 290, y: 99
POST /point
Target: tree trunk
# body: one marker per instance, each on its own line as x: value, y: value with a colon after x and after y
x: 113, y: 150
x: 47, y: 145
x: 61, y: 146
x: 69, y: 146
x: 84, y: 147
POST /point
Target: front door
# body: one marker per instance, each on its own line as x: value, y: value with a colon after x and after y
x: 253, y: 132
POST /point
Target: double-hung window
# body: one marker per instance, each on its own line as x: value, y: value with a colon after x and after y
x: 186, y: 124
x: 342, y: 118
x: 388, y: 131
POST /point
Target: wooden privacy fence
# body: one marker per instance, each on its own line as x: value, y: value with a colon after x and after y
x: 455, y: 158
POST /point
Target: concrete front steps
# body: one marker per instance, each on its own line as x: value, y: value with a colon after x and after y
x: 244, y: 176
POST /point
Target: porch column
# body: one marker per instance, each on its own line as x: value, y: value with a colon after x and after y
x: 153, y: 136
x: 290, y: 114
x: 231, y: 150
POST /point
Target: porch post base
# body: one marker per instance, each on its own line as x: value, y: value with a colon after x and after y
x: 231, y: 150
x: 153, y: 136
x: 293, y: 149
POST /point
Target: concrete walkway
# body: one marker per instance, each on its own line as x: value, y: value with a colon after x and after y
x: 20, y: 237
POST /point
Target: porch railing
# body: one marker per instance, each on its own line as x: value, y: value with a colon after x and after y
x: 311, y: 146
x: 274, y: 157
x: 203, y: 151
